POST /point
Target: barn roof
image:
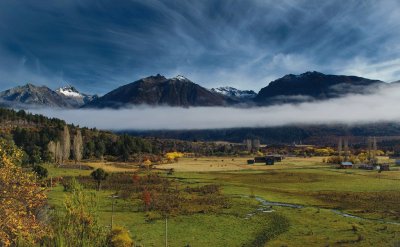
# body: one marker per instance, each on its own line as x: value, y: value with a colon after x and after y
x: 346, y: 163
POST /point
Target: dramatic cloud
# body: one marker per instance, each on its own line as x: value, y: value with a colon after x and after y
x: 98, y: 45
x: 352, y: 109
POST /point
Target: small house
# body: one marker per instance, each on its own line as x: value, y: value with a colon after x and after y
x: 346, y: 165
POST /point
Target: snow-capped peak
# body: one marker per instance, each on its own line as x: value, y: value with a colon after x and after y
x: 70, y: 91
x: 234, y: 92
x: 181, y: 78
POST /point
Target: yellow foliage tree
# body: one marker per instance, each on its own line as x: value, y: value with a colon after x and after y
x: 173, y: 156
x: 20, y: 199
x: 147, y: 163
x: 322, y: 151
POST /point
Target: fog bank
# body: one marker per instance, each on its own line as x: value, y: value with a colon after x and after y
x: 383, y: 105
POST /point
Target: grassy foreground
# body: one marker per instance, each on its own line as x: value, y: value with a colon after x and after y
x: 321, y: 189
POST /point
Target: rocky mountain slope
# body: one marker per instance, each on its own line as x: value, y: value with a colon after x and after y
x: 29, y: 95
x: 74, y: 97
x: 313, y: 86
x: 234, y: 93
x: 158, y: 90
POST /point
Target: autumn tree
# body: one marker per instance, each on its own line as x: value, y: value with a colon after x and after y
x: 146, y: 196
x: 78, y: 146
x: 147, y: 164
x: 21, y: 198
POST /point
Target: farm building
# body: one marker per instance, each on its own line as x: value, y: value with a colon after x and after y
x: 260, y: 159
x: 346, y: 165
x: 366, y: 167
x: 384, y: 167
x: 275, y: 157
x: 250, y: 162
x: 269, y: 161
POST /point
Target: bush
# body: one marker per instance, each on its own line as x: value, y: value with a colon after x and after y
x: 119, y: 237
x: 41, y: 171
x: 77, y: 224
x: 206, y: 189
x: 70, y: 184
x: 99, y: 175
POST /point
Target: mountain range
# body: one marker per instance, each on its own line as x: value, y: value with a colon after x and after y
x: 182, y: 92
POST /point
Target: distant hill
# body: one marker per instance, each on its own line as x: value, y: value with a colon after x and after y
x: 158, y: 90
x: 30, y: 95
x: 311, y: 86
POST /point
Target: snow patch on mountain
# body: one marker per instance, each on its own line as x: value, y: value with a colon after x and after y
x: 180, y: 78
x: 234, y: 92
x: 70, y: 91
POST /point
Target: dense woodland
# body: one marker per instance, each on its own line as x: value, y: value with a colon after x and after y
x: 307, y: 134
x: 33, y: 133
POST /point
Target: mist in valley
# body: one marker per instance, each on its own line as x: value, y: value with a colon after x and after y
x: 379, y: 106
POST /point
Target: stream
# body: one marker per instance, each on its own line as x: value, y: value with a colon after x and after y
x: 266, y: 207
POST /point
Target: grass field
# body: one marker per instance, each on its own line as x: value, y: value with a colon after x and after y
x: 323, y: 191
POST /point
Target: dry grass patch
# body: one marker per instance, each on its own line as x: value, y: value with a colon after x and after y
x: 210, y: 164
x: 383, y: 203
x: 113, y: 166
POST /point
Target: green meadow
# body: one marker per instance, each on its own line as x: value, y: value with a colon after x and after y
x: 327, y: 207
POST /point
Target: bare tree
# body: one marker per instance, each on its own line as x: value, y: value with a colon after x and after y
x: 78, y: 146
x: 52, y: 149
x: 59, y: 153
x: 66, y: 144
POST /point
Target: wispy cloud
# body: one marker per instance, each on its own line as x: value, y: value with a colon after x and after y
x: 352, y: 109
x: 99, y: 45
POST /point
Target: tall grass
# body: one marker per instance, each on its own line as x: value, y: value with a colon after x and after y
x: 274, y: 225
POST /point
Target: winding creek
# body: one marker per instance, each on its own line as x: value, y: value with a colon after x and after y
x: 267, y: 207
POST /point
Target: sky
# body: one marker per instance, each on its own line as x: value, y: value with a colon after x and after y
x: 98, y: 45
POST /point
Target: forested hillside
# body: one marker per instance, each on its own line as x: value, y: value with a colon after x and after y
x: 33, y: 133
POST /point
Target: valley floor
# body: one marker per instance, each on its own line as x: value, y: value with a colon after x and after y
x: 321, y: 205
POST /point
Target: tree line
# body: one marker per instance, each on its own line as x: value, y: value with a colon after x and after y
x: 44, y: 139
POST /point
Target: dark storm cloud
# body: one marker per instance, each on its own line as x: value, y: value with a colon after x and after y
x: 99, y: 45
